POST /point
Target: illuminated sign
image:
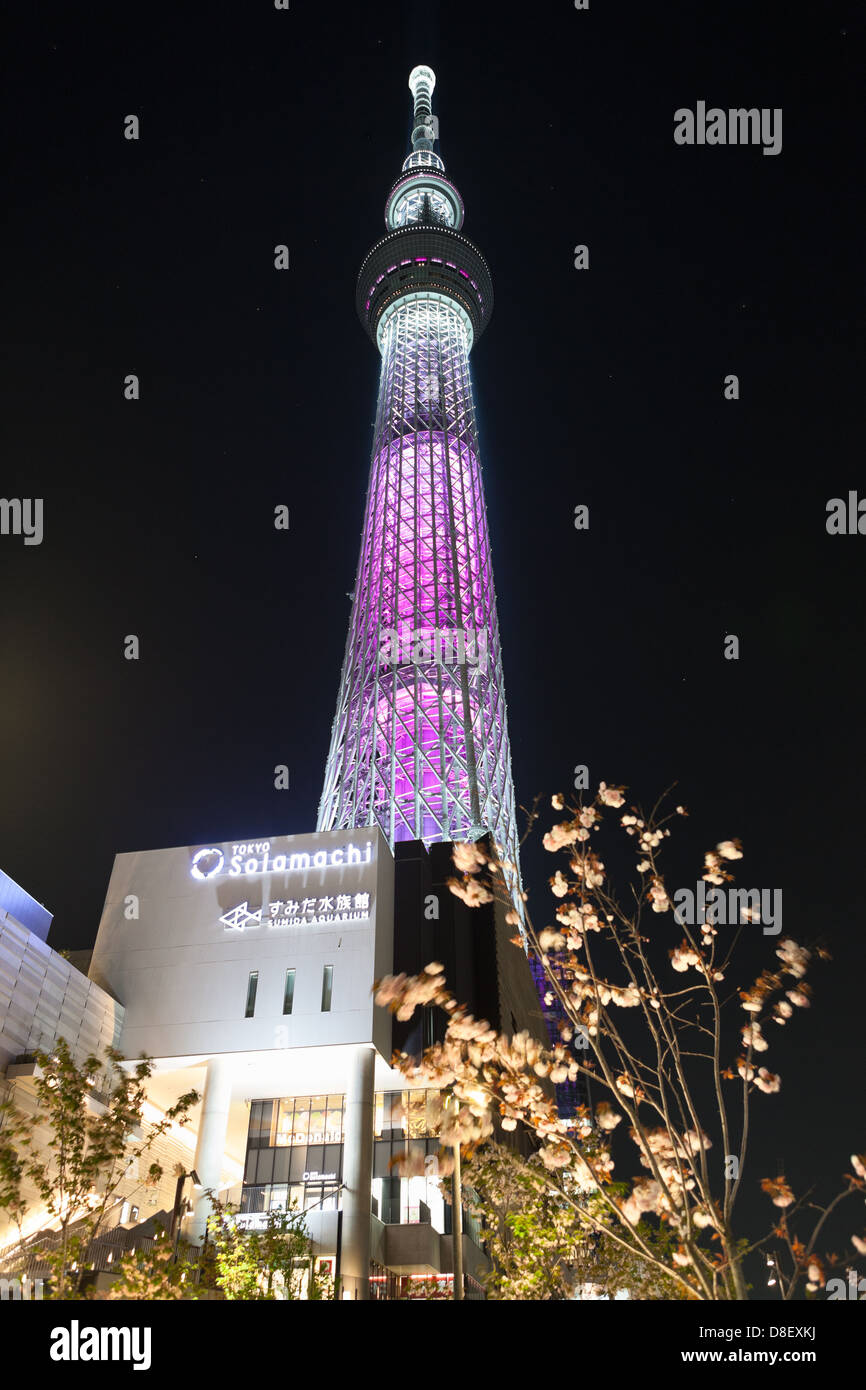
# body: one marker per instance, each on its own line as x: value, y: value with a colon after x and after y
x: 251, y: 1220
x: 255, y: 858
x: 306, y: 912
x: 207, y: 863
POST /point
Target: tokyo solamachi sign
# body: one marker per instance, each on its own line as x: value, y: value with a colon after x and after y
x: 313, y: 894
x: 256, y: 858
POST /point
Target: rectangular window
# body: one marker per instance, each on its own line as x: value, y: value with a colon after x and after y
x: 327, y: 985
x: 289, y: 995
x: 318, y: 1111
x: 301, y: 1129
x: 251, y: 993
x: 281, y: 1129
x: 261, y: 1123
x: 334, y: 1127
x: 417, y: 1114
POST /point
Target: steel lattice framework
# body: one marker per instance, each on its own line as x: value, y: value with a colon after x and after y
x: 420, y: 740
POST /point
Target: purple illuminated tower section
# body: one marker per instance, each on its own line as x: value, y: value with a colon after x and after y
x: 420, y: 738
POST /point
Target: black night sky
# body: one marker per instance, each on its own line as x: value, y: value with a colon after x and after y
x: 603, y: 387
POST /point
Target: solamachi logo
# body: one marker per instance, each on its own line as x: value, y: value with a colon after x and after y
x: 256, y: 858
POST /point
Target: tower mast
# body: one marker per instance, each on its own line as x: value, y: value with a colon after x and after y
x: 419, y: 743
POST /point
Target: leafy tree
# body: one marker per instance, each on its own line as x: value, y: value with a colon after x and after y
x: 158, y: 1273
x: 79, y: 1168
x: 538, y: 1247
x: 275, y: 1262
x: 237, y: 1264
x: 12, y: 1172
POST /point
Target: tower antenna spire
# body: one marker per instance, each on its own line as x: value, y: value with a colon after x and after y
x: 425, y: 129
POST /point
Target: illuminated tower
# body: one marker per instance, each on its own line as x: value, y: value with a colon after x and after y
x: 420, y: 739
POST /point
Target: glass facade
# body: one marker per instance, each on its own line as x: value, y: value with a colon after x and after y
x: 406, y: 1121
x: 412, y: 207
x: 295, y: 1156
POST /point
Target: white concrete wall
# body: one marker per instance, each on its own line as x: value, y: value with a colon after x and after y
x: 182, y: 973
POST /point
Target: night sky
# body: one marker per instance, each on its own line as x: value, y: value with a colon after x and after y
x: 602, y: 387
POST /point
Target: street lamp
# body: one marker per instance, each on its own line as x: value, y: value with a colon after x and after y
x: 174, y: 1230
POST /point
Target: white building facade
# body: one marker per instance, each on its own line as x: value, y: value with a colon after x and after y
x: 246, y: 971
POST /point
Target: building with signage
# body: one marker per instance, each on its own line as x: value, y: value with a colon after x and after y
x: 246, y: 971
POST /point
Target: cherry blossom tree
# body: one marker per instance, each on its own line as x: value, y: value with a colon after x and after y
x: 537, y: 1249
x: 646, y: 995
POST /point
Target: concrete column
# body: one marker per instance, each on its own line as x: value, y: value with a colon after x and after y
x: 210, y: 1147
x: 357, y: 1175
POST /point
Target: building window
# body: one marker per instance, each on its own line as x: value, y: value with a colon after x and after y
x: 295, y: 1158
x: 294, y: 1154
x: 401, y: 1115
x: 327, y: 986
x: 251, y: 993
x: 298, y: 1121
x: 289, y: 995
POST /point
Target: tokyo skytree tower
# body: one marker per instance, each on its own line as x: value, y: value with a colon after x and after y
x: 420, y: 739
